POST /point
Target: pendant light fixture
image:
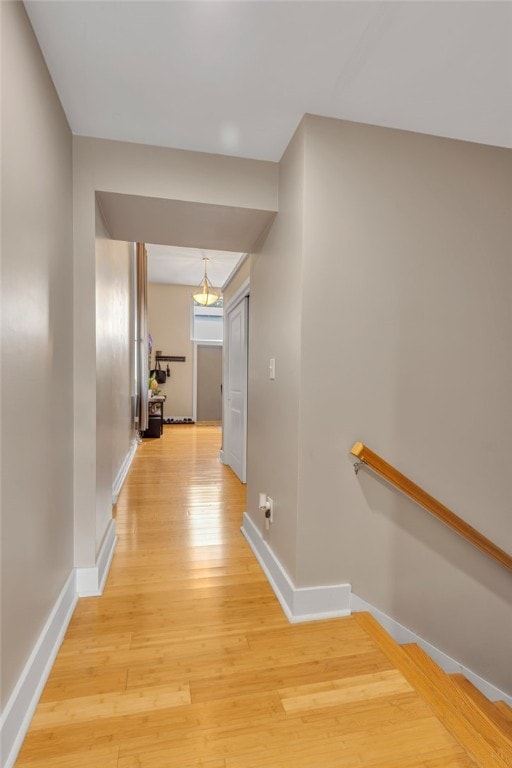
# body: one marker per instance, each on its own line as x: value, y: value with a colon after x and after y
x: 205, y: 294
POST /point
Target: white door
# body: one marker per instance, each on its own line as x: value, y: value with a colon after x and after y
x: 235, y: 422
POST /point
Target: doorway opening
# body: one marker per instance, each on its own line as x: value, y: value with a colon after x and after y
x: 208, y: 383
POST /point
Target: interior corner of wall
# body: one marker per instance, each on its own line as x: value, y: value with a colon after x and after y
x: 299, y: 604
x: 90, y: 581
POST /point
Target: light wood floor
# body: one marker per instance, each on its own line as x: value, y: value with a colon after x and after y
x: 187, y: 661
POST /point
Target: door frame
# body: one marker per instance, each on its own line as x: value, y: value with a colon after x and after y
x: 239, y: 295
x: 194, y: 374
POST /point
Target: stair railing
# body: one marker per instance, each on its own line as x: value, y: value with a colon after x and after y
x: 367, y: 457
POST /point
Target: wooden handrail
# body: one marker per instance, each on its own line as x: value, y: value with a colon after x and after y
x: 425, y: 500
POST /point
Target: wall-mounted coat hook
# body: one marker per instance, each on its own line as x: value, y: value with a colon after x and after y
x: 170, y: 358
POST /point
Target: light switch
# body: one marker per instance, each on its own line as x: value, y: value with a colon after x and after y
x: 272, y: 368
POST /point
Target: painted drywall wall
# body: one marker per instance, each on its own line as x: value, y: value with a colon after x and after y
x: 406, y: 346
x: 404, y: 337
x: 274, y: 332
x: 37, y: 355
x: 114, y: 350
x: 169, y: 308
x: 111, y: 166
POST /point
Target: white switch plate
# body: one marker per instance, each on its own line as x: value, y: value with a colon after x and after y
x: 272, y: 368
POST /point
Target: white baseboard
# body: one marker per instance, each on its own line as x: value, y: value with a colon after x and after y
x: 404, y: 635
x: 22, y: 703
x: 309, y: 603
x: 82, y: 582
x: 221, y: 456
x: 123, y: 471
x: 298, y: 603
x: 91, y: 581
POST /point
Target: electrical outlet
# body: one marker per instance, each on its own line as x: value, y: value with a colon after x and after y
x: 270, y: 504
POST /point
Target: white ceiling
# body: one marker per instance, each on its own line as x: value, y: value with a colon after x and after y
x: 236, y: 77
x: 184, y: 266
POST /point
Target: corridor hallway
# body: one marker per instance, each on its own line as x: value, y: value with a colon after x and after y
x: 187, y: 660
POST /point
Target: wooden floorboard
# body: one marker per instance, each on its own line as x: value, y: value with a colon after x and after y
x: 187, y: 661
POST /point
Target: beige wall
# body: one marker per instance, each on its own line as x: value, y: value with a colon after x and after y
x: 405, y: 345
x: 169, y: 308
x: 37, y: 363
x: 274, y: 331
x: 413, y: 358
x: 114, y: 349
